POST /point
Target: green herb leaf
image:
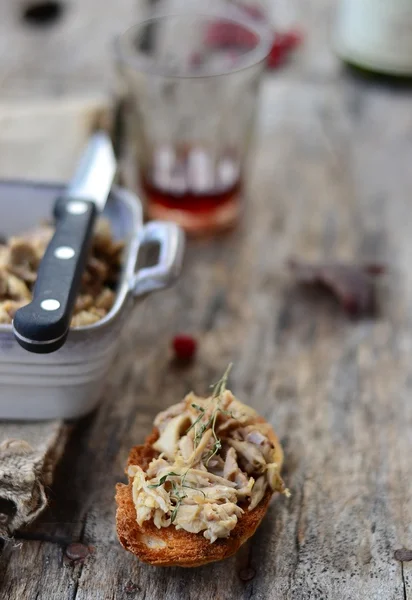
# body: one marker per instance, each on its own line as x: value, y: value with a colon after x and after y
x: 182, y: 481
x: 163, y: 479
x: 195, y: 422
x: 176, y: 508
x: 200, y: 433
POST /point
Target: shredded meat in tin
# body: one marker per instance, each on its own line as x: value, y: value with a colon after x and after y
x: 20, y: 257
x: 206, y: 473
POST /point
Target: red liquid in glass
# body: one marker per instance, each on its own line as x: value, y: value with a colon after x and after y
x: 197, y: 200
x: 194, y: 212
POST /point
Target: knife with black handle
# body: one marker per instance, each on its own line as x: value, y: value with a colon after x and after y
x: 42, y: 326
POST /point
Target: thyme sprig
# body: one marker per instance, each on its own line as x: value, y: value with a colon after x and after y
x: 178, y: 494
x: 216, y: 447
x: 202, y: 410
x: 219, y: 389
x: 163, y: 479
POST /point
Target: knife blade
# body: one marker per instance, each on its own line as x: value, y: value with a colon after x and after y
x: 42, y: 326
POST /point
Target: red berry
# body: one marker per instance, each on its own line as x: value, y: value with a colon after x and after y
x: 292, y: 39
x: 283, y: 44
x: 276, y: 56
x: 184, y: 347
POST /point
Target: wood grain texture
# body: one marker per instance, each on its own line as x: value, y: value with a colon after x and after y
x: 73, y: 55
x: 330, y: 178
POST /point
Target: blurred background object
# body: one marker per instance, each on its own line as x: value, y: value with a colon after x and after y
x: 376, y: 35
x: 41, y: 140
x: 43, y: 13
x: 191, y: 82
x: 256, y: 9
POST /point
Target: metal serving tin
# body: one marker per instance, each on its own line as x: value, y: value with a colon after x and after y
x: 67, y: 383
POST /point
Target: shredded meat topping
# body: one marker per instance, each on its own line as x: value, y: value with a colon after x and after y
x: 20, y: 258
x: 215, y: 461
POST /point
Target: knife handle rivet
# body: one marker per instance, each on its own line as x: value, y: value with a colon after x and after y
x: 76, y: 207
x: 64, y: 252
x: 50, y: 304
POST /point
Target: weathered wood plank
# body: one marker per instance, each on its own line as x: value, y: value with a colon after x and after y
x: 336, y: 391
x: 331, y: 179
x: 73, y: 55
x: 49, y: 572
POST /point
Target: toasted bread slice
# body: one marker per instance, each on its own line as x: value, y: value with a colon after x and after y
x: 169, y: 546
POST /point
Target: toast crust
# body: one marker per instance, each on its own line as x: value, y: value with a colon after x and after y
x: 169, y: 546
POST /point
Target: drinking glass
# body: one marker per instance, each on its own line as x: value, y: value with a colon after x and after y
x: 191, y: 81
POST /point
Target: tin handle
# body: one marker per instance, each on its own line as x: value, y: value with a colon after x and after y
x: 171, y: 241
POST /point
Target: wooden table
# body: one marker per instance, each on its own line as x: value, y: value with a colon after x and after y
x: 331, y: 178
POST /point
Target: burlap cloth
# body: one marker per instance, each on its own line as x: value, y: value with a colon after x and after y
x: 28, y: 455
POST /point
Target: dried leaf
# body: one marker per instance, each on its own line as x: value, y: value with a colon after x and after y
x: 352, y: 284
